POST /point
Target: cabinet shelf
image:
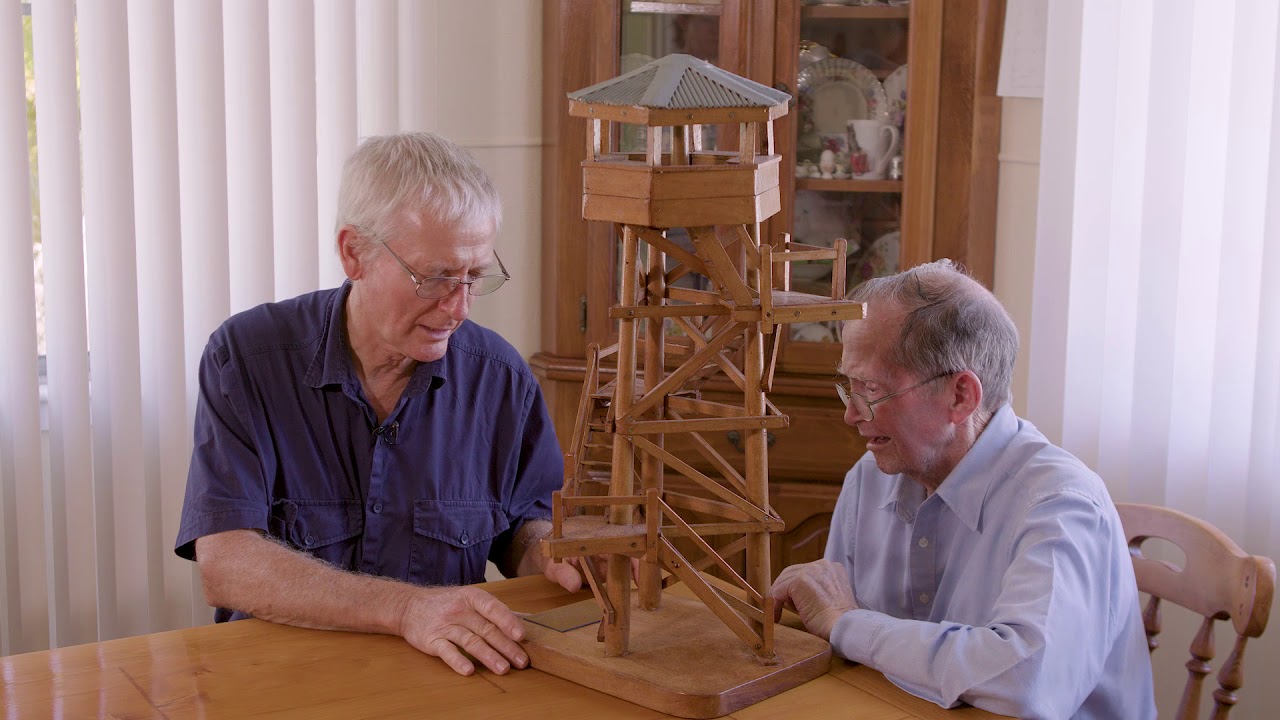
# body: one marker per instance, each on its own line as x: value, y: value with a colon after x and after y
x: 856, y: 12
x: 862, y: 186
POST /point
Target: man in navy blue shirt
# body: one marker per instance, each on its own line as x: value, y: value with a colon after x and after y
x: 361, y: 452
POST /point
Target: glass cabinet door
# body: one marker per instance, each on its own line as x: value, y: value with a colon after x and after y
x: 650, y: 30
x: 844, y: 143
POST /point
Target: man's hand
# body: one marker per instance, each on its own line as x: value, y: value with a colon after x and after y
x: 569, y: 574
x: 565, y: 574
x: 820, y: 592
x: 446, y: 621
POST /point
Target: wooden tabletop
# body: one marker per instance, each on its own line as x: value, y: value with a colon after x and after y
x: 254, y: 668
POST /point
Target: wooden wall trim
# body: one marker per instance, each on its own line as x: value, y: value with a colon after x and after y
x: 968, y: 136
x: 985, y: 177
x: 568, y: 64
x: 920, y: 177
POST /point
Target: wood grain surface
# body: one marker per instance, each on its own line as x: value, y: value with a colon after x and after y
x: 256, y: 669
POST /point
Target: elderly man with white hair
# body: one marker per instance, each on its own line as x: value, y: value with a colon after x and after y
x: 970, y: 560
x: 360, y: 452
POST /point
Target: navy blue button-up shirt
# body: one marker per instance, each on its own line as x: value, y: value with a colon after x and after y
x: 287, y: 443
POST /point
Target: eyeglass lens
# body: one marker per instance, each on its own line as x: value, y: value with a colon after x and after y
x: 441, y: 286
x: 859, y: 403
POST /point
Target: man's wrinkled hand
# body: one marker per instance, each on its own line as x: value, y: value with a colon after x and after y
x: 446, y: 622
x: 819, y: 592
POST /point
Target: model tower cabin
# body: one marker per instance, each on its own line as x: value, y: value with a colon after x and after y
x: 672, y: 338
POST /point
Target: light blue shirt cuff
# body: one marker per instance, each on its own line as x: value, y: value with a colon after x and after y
x: 854, y: 634
x: 854, y: 637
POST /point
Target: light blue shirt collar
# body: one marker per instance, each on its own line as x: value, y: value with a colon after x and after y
x: 965, y: 489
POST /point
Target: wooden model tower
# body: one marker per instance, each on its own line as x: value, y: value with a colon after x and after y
x: 613, y: 502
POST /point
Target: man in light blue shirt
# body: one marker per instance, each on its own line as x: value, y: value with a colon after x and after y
x: 970, y: 560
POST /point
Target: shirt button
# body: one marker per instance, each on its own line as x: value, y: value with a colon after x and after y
x: 309, y: 540
x: 924, y: 599
x: 377, y: 507
x: 924, y: 542
x: 464, y: 538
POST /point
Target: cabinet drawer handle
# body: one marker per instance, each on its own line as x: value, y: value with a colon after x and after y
x: 735, y: 439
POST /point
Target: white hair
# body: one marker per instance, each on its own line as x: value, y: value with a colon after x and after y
x: 950, y: 323
x: 391, y: 179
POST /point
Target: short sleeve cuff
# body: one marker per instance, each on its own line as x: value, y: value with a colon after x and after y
x: 854, y: 635
x: 214, y: 522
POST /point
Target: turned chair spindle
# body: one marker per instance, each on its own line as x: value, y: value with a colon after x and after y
x: 1219, y: 582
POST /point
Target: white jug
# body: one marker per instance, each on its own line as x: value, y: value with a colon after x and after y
x: 879, y: 141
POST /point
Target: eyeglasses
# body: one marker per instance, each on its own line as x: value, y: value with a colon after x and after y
x: 866, y: 408
x: 430, y: 288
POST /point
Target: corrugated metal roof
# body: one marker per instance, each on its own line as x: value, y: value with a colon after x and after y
x: 622, y: 89
x: 681, y: 82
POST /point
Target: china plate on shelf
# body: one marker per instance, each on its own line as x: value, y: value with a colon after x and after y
x: 895, y: 89
x: 820, y: 218
x: 880, y: 260
x: 833, y: 92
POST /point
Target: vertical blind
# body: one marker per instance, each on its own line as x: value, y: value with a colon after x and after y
x: 1155, y: 345
x: 188, y: 162
x: 20, y: 460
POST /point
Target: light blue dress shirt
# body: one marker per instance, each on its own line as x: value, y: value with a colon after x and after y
x: 1010, y: 588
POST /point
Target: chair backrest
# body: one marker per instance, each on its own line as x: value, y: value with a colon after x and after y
x: 1219, y: 581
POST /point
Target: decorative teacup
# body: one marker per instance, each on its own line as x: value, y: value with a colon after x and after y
x: 877, y: 142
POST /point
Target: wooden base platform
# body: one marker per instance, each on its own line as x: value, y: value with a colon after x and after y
x: 682, y: 660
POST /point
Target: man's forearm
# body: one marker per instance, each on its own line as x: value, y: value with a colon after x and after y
x: 248, y: 572
x: 245, y: 571
x: 525, y: 557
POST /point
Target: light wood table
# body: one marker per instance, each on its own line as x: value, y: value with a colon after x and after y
x: 254, y: 668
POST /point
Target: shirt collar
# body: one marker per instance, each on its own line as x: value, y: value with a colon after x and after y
x: 906, y: 496
x: 331, y: 364
x: 965, y: 489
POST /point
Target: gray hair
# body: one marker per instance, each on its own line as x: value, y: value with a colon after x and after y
x: 950, y: 323
x: 393, y: 178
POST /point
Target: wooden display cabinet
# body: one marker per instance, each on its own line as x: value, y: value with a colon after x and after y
x: 944, y: 205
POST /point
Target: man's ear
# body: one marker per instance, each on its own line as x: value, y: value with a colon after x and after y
x: 966, y: 395
x: 349, y: 245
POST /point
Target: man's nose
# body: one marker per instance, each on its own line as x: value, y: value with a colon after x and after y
x: 458, y: 302
x: 851, y: 415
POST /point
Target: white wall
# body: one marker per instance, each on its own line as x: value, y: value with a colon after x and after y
x: 1016, y: 223
x: 484, y: 92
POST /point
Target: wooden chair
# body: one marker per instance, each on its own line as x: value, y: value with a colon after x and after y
x: 1220, y: 582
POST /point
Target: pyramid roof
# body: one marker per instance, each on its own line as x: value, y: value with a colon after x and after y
x: 681, y: 83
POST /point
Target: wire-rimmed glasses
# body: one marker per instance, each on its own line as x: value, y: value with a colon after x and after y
x: 866, y: 408
x: 432, y: 287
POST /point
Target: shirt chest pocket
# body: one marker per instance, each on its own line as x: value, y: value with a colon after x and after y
x: 451, y: 540
x: 327, y: 529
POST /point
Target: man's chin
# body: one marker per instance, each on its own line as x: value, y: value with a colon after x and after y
x: 431, y: 352
x: 887, y: 464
